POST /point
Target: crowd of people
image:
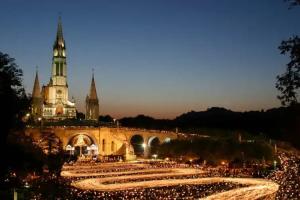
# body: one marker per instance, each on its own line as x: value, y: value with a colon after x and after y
x: 167, y: 192
x: 287, y: 175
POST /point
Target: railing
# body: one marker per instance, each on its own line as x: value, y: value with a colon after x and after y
x: 71, y: 123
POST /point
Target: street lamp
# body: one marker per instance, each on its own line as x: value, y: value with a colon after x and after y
x: 69, y: 149
x: 40, y: 121
x: 144, y: 145
x: 72, y: 150
x: 154, y: 156
x: 145, y: 152
x: 275, y: 163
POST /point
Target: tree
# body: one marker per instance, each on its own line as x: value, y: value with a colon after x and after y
x: 11, y: 91
x: 14, y: 103
x: 80, y: 115
x: 288, y: 83
x: 293, y: 2
x: 106, y: 118
x: 49, y: 143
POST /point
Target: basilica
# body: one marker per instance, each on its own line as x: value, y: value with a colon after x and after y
x: 51, y: 102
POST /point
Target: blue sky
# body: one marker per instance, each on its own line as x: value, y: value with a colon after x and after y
x: 158, y: 57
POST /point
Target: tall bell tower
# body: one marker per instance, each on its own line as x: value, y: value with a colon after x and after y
x: 59, y: 63
x: 55, y: 95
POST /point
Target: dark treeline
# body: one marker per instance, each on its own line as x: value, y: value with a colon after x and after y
x: 215, y: 151
x: 278, y: 123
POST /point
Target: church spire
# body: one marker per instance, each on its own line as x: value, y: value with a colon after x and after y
x: 59, y: 34
x: 92, y: 102
x: 59, y: 43
x: 93, y: 91
x: 36, y: 92
x: 37, y: 100
x: 59, y: 59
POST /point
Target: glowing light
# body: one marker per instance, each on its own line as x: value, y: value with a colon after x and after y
x: 255, y: 189
x: 80, y: 141
x: 68, y: 147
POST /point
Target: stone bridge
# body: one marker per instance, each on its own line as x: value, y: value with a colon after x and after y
x: 104, y: 141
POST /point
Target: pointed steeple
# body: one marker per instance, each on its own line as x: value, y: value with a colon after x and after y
x: 92, y: 102
x: 59, y: 34
x: 59, y: 59
x: 59, y: 41
x: 36, y: 92
x: 93, y: 91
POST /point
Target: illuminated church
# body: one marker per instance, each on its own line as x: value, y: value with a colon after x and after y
x: 52, y: 101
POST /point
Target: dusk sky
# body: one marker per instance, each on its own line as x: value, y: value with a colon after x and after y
x: 157, y: 57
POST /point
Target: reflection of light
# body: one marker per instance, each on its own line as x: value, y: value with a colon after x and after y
x: 144, y: 145
x: 39, y: 118
x: 27, y: 115
x: 154, y: 156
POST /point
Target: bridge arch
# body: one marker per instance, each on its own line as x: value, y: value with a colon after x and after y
x: 137, y: 141
x: 153, y: 139
x: 153, y: 144
x: 82, y: 144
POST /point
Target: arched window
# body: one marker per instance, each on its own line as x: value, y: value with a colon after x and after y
x: 103, y: 145
x: 112, y: 146
x: 57, y: 69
